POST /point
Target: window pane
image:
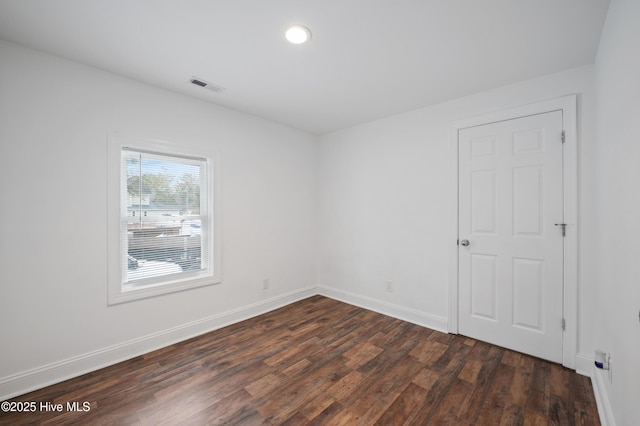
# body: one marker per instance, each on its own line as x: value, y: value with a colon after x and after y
x: 164, y: 213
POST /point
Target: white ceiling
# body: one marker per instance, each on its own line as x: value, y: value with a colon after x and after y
x: 367, y: 59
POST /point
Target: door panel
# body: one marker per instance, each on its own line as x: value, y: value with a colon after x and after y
x: 527, y: 293
x: 510, y: 197
x: 483, y: 202
x: 483, y: 286
x: 528, y: 201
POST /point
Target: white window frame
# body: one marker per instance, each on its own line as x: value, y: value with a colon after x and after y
x: 118, y: 290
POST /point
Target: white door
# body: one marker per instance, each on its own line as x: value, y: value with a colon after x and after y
x: 510, y: 200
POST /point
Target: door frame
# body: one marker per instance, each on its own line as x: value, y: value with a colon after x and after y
x: 566, y: 104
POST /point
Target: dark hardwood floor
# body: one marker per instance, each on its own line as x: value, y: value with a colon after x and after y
x: 319, y: 361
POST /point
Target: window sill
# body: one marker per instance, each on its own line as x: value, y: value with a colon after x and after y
x: 137, y: 291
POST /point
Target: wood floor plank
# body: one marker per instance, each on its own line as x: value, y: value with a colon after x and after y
x: 404, y: 405
x: 322, y: 362
x: 264, y: 385
x: 426, y: 378
x: 294, y: 394
x: 559, y: 381
x: 448, y: 412
x: 327, y: 416
x: 559, y: 412
x: 373, y: 402
x: 497, y: 399
x: 445, y: 377
x: 346, y: 386
x: 491, y: 356
x: 317, y: 405
x: 470, y: 371
x: 361, y: 354
x: 428, y: 351
x: 513, y: 415
x: 538, y: 401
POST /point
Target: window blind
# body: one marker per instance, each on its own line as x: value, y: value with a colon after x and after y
x: 164, y: 216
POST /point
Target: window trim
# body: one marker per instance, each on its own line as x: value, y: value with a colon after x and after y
x: 120, y: 292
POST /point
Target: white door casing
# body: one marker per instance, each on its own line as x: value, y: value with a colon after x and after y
x: 510, y: 198
x: 517, y: 279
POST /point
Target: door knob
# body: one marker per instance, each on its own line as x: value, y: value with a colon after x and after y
x: 464, y: 243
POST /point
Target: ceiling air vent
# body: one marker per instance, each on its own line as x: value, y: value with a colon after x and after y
x: 200, y: 82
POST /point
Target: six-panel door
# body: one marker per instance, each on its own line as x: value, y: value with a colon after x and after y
x: 510, y: 198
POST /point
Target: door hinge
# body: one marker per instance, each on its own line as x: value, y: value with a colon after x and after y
x: 564, y: 324
x: 563, y: 136
x: 564, y: 228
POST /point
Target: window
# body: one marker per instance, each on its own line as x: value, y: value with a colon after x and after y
x: 162, y: 223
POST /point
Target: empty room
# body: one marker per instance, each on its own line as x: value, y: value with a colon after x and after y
x: 334, y: 212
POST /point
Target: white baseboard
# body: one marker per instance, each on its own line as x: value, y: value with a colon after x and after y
x: 585, y: 366
x: 406, y: 314
x: 27, y: 381
x: 605, y: 411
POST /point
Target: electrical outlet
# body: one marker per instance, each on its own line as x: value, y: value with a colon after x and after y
x: 265, y: 284
x: 389, y: 286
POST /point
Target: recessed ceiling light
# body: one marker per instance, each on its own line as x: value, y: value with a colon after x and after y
x: 297, y: 34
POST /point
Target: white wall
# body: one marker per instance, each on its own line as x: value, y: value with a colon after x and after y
x: 617, y: 72
x: 374, y: 200
x: 385, y: 203
x: 54, y: 119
